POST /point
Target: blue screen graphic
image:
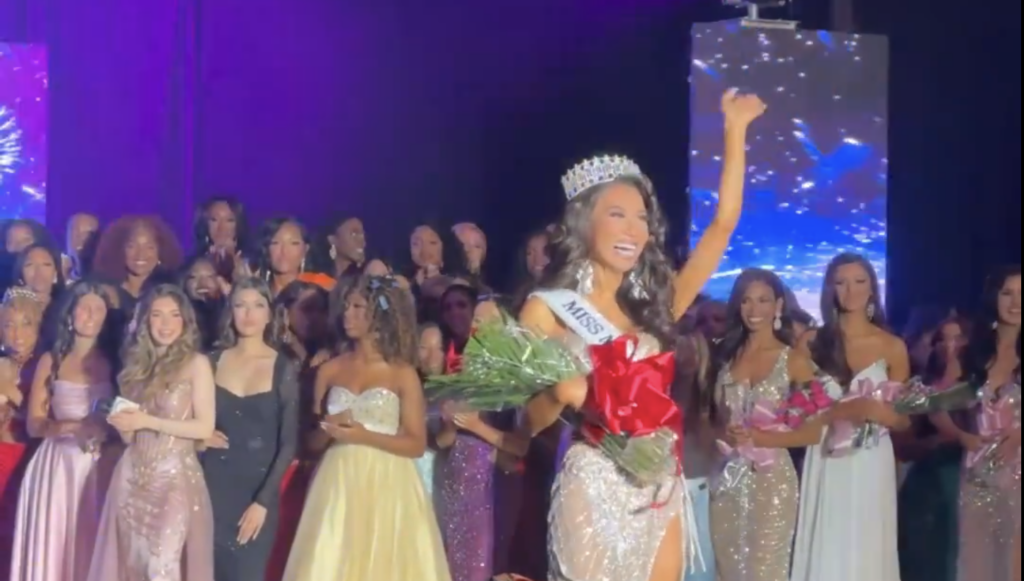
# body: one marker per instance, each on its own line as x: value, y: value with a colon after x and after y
x: 817, y: 163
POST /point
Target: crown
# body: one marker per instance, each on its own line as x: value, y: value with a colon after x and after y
x: 20, y: 292
x: 596, y: 171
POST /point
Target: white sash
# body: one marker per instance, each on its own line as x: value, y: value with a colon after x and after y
x: 579, y: 316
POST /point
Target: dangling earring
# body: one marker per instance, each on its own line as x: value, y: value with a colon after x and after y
x: 777, y: 323
x: 302, y: 265
x: 871, y: 312
x: 55, y: 279
x: 637, y: 290
x: 585, y: 279
x: 333, y: 253
x: 995, y: 325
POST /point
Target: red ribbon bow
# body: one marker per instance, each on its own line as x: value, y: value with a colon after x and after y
x: 452, y: 360
x: 630, y: 397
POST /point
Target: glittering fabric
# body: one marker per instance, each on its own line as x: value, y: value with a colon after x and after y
x: 467, y: 508
x: 989, y: 524
x: 157, y: 524
x: 604, y: 527
x: 367, y: 516
x: 752, y: 523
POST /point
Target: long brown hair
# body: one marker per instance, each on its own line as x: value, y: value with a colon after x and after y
x: 392, y: 314
x: 147, y: 370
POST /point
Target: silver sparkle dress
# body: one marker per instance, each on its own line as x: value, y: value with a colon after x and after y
x: 990, y: 513
x: 752, y: 523
x: 603, y: 527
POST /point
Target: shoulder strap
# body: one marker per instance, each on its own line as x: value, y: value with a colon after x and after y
x: 579, y: 316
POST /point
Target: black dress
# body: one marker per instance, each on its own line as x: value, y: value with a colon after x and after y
x: 262, y: 432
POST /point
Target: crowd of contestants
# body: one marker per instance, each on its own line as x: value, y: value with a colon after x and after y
x: 248, y: 360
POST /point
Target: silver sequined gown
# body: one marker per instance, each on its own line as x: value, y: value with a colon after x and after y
x: 752, y: 523
x: 989, y: 519
x: 602, y: 526
x: 467, y: 508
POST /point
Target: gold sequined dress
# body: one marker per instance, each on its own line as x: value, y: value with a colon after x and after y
x: 752, y: 523
x: 989, y: 515
x: 603, y: 527
x: 367, y: 516
x: 157, y: 523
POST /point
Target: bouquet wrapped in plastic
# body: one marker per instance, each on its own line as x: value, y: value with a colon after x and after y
x: 744, y: 410
x: 998, y: 412
x: 808, y: 401
x: 504, y: 365
x: 912, y: 398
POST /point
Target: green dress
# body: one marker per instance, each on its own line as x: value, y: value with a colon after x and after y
x: 928, y: 509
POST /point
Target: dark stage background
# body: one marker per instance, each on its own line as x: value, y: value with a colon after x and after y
x: 458, y: 109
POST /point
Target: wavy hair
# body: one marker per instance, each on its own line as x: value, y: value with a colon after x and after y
x: 109, y: 261
x: 828, y: 350
x: 145, y: 369
x: 201, y: 229
x: 736, y: 332
x: 935, y: 367
x: 273, y: 334
x: 984, y: 341
x: 64, y: 326
x: 570, y: 252
x: 392, y: 316
x: 451, y: 252
x: 40, y: 235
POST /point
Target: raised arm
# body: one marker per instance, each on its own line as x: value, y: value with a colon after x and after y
x: 739, y: 111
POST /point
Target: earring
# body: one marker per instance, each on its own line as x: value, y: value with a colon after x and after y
x: 777, y: 323
x: 995, y: 325
x: 585, y: 279
x: 302, y: 265
x: 871, y: 312
x: 333, y: 253
x: 637, y: 290
x: 55, y: 279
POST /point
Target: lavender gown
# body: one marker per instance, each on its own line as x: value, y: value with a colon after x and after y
x: 157, y: 523
x: 467, y: 508
x: 62, y: 496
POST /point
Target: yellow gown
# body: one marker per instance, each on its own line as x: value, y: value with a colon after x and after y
x: 367, y: 516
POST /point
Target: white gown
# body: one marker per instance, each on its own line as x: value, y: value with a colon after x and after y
x: 847, y: 523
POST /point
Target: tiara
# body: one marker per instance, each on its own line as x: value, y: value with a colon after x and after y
x: 20, y: 292
x: 596, y: 171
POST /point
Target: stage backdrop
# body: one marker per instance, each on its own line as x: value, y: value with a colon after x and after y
x: 817, y: 164
x: 23, y: 108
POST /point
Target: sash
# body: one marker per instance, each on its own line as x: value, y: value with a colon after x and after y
x: 579, y: 316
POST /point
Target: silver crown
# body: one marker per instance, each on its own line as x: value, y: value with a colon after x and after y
x: 20, y: 292
x: 596, y: 171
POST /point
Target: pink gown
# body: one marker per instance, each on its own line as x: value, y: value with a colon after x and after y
x: 157, y: 524
x: 62, y: 496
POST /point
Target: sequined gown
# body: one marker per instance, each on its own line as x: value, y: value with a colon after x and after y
x: 62, y: 495
x: 466, y: 508
x: 157, y: 523
x: 262, y: 431
x: 603, y: 527
x: 752, y: 523
x: 367, y: 516
x: 989, y: 516
x: 847, y: 525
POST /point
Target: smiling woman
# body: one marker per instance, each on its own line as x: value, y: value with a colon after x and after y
x: 134, y: 249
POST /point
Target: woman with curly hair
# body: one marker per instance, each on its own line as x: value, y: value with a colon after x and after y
x: 367, y: 515
x: 66, y: 481
x: 137, y: 251
x: 157, y: 523
x: 609, y: 280
x: 257, y: 431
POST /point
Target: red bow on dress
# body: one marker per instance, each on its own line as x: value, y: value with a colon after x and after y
x: 630, y: 397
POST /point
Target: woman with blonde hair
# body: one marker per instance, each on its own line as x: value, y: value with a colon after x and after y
x: 157, y: 523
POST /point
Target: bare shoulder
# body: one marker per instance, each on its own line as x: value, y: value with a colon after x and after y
x: 200, y: 365
x: 894, y: 348
x: 536, y: 315
x: 801, y: 368
x: 406, y: 378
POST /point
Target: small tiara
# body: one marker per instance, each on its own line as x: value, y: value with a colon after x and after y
x: 20, y: 292
x: 596, y: 171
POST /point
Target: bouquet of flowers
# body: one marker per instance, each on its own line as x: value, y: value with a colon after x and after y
x: 987, y: 468
x: 504, y: 365
x: 912, y: 398
x: 808, y: 401
x: 746, y: 412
